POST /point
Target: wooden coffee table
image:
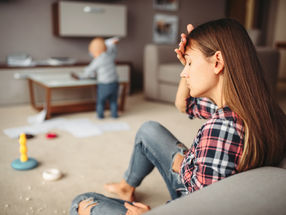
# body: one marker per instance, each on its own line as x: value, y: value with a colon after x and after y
x: 52, y: 82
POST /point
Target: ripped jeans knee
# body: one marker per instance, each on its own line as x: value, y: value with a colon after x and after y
x: 86, y: 197
x: 99, y: 204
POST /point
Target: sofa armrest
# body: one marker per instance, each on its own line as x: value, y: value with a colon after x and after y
x: 154, y: 56
x: 259, y: 191
x: 151, y: 64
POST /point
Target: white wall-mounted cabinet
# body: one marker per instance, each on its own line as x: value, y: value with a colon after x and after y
x: 86, y: 19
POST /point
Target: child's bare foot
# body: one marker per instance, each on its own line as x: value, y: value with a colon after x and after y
x: 122, y: 189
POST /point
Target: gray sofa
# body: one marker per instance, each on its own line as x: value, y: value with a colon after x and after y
x: 255, y: 192
x: 162, y: 70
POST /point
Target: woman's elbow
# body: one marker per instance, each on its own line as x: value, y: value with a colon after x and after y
x: 180, y: 106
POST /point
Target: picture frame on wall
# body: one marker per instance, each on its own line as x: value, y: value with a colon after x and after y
x: 165, y: 29
x: 170, y: 5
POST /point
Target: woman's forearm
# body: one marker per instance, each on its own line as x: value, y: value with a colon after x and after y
x: 183, y: 93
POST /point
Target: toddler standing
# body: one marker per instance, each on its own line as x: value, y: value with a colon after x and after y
x: 104, y: 69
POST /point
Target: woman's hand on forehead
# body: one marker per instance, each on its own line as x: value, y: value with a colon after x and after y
x: 181, y: 50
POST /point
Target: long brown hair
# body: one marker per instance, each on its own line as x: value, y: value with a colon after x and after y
x: 245, y: 91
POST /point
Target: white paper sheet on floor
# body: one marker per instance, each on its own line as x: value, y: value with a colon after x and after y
x: 80, y: 128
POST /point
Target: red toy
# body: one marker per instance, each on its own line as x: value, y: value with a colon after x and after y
x: 51, y: 135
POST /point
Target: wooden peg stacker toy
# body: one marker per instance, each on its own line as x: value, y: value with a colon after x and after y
x: 24, y: 163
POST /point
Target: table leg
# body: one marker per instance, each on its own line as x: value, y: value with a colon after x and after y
x: 48, y: 103
x: 31, y: 84
x: 32, y: 97
x: 122, y: 96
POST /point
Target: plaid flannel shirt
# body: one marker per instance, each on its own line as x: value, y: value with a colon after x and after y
x: 217, y: 147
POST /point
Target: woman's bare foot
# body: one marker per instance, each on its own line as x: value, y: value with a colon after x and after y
x: 122, y: 189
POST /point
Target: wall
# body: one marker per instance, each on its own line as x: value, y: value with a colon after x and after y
x: 26, y: 26
x: 280, y: 35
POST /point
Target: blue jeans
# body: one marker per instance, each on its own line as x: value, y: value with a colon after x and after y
x: 107, y: 92
x: 154, y: 146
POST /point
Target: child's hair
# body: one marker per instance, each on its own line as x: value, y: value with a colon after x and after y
x: 245, y: 91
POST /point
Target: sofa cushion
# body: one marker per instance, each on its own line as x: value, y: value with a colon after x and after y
x: 170, y: 73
